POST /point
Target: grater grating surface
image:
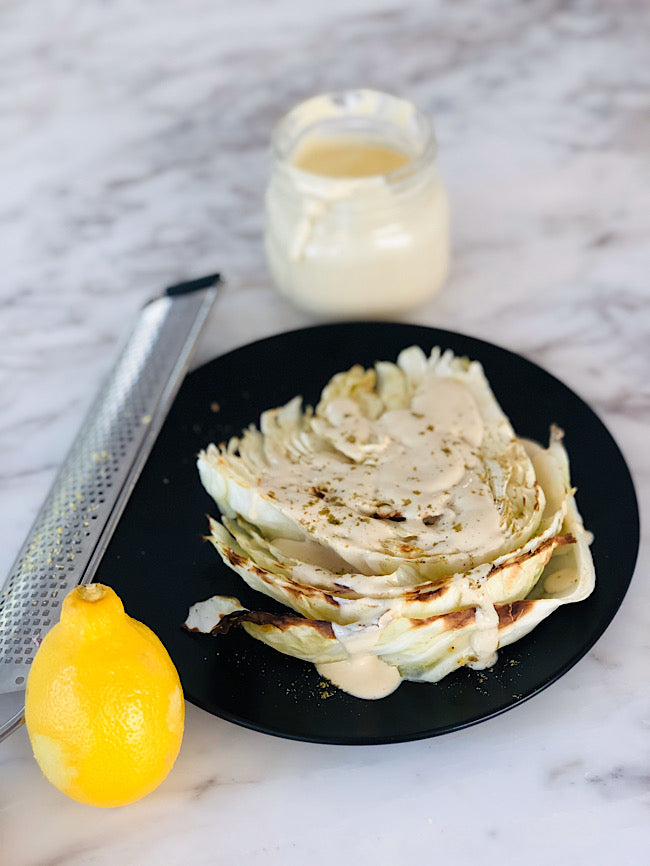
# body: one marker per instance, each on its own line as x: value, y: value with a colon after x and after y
x: 81, y: 510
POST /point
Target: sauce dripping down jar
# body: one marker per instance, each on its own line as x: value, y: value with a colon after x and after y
x: 357, y: 221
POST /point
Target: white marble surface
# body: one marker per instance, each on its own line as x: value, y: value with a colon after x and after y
x: 134, y: 140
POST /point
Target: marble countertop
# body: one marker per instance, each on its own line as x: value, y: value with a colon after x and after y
x: 134, y: 155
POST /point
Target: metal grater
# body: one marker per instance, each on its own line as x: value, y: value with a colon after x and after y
x: 76, y: 521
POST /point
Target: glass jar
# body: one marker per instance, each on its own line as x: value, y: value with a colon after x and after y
x: 357, y: 221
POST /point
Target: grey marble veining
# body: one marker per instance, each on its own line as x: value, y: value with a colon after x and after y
x: 133, y: 154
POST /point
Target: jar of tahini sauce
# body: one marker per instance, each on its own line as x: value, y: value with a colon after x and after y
x: 357, y: 220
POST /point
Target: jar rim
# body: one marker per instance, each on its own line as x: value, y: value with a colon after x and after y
x: 349, y: 105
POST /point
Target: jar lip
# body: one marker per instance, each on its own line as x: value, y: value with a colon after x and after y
x: 280, y: 151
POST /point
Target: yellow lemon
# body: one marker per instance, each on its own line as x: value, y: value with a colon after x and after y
x: 104, y: 706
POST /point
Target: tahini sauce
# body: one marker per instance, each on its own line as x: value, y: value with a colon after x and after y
x: 347, y: 157
x: 424, y: 462
x: 363, y: 675
x: 349, y: 234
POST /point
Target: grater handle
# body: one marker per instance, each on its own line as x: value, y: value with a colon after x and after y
x: 79, y: 515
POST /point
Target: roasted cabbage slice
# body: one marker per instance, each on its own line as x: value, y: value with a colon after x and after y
x: 402, y: 520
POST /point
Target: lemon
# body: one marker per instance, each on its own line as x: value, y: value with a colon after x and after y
x: 104, y: 706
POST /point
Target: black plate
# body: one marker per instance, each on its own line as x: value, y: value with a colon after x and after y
x: 159, y: 565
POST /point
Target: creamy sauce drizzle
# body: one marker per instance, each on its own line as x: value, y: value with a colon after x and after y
x: 363, y: 676
x: 410, y: 482
x: 485, y: 637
